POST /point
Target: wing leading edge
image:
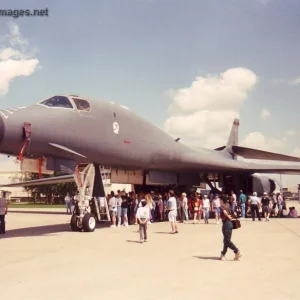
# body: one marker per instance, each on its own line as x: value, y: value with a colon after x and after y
x: 43, y: 181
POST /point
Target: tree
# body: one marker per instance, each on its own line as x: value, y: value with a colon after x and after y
x: 49, y: 191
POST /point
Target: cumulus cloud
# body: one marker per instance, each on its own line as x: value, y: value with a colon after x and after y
x: 16, y: 58
x: 295, y: 81
x: 258, y: 141
x: 291, y: 132
x: 202, y: 113
x: 265, y: 114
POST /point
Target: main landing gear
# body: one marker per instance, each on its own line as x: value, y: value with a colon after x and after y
x: 88, y: 210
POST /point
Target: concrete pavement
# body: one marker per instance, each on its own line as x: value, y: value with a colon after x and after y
x: 42, y: 259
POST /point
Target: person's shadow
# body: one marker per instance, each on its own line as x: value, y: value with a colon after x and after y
x: 207, y: 257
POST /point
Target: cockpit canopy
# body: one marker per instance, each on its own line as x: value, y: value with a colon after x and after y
x: 73, y: 102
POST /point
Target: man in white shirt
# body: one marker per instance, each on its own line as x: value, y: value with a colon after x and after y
x: 185, y: 206
x: 142, y: 216
x: 68, y: 203
x: 254, y: 203
x: 172, y: 208
x: 206, y: 206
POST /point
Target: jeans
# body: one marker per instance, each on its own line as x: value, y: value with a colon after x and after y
x: 119, y: 213
x: 143, y: 231
x: 206, y: 213
x: 2, y: 224
x: 243, y: 209
x: 185, y: 211
x: 227, y: 232
x: 233, y: 206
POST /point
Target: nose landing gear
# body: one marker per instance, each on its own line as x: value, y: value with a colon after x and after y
x: 87, y: 207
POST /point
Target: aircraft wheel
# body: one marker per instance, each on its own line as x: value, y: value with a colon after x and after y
x: 89, y: 222
x: 74, y: 223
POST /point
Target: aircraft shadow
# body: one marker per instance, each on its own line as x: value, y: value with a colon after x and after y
x: 37, y: 212
x: 43, y: 230
x: 35, y: 231
x: 207, y: 257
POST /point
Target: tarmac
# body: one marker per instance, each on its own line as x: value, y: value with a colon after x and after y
x: 42, y: 259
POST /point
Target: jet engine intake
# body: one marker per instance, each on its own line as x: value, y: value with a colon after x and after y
x: 261, y: 184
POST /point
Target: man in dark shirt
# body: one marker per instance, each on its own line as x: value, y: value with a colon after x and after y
x: 124, y: 208
x: 265, y: 201
x: 227, y: 215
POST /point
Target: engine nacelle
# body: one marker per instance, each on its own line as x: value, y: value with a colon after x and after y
x: 261, y: 184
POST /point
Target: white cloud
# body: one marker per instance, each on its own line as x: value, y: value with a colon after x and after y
x: 202, y: 113
x: 16, y: 59
x: 291, y: 132
x: 295, y: 81
x: 265, y: 114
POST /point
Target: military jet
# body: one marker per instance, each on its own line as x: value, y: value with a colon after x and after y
x: 75, y: 135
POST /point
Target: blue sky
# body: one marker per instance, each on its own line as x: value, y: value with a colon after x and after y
x: 134, y: 51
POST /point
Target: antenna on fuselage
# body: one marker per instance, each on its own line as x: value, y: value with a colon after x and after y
x: 177, y: 139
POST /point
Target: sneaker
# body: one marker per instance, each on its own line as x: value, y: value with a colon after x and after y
x: 112, y: 226
x: 238, y: 255
x: 145, y: 240
x: 141, y: 241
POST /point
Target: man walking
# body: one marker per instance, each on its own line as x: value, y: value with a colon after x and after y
x: 265, y: 201
x: 172, y: 215
x: 3, y: 212
x: 242, y: 203
x: 254, y: 202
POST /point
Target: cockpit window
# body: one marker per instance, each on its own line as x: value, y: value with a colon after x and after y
x: 81, y: 104
x: 58, y: 101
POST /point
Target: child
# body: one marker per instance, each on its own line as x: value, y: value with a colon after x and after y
x: 142, y: 216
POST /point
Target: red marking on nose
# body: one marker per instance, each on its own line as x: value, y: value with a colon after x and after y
x: 126, y: 142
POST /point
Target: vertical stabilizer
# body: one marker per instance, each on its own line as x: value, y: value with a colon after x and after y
x: 233, y: 139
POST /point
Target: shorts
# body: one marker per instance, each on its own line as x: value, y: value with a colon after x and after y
x: 124, y: 211
x: 113, y: 213
x: 217, y: 210
x: 266, y: 209
x: 172, y: 215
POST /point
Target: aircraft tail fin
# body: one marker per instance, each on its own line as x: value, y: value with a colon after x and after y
x: 233, y: 139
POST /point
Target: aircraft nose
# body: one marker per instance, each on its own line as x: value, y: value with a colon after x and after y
x: 2, y: 129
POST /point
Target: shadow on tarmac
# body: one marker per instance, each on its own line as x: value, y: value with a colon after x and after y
x: 38, y: 212
x: 43, y: 230
x: 207, y: 257
x: 132, y: 241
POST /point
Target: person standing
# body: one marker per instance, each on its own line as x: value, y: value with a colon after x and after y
x: 142, y: 215
x: 265, y: 201
x: 226, y: 216
x: 172, y: 208
x: 68, y: 202
x: 233, y: 201
x: 206, y: 207
x: 3, y: 212
x: 242, y: 203
x: 216, y: 206
x: 254, y: 203
x: 185, y: 206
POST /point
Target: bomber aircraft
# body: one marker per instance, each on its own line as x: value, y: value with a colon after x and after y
x: 75, y: 135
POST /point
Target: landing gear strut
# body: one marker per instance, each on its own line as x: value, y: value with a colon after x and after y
x: 87, y: 208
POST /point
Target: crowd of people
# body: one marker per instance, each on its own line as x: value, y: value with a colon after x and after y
x: 194, y: 207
